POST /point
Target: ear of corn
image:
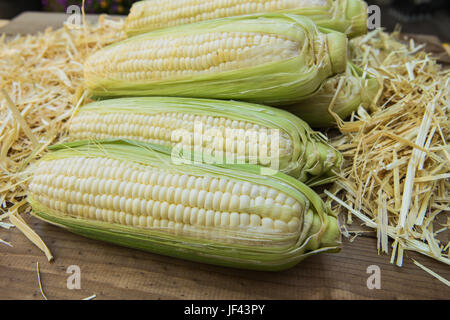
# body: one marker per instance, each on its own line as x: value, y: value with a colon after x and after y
x: 348, y: 16
x: 228, y: 131
x: 272, y: 59
x: 356, y: 88
x: 133, y: 195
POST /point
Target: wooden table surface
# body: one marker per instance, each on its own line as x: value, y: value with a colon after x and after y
x: 113, y: 272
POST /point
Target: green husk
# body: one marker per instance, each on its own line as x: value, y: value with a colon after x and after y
x: 322, y: 54
x: 356, y: 88
x: 249, y: 250
x: 347, y: 16
x: 352, y: 15
x: 311, y: 159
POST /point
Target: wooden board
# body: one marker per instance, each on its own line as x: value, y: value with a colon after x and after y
x: 113, y: 272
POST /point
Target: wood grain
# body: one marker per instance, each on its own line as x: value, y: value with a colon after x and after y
x: 113, y: 272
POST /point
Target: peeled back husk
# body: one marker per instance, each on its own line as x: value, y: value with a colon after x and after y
x: 130, y: 194
x: 269, y: 59
x: 356, y: 88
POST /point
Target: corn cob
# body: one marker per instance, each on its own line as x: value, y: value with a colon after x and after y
x: 267, y: 58
x: 348, y: 16
x: 133, y: 195
x: 228, y: 131
x: 356, y: 89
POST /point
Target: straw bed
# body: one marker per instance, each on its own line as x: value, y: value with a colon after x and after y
x: 396, y: 173
x: 41, y: 78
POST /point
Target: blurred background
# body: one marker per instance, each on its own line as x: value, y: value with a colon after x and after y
x: 415, y: 16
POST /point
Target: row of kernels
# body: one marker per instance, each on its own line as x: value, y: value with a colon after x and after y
x: 157, y: 210
x: 167, y: 68
x: 204, y: 56
x: 180, y: 11
x: 186, y: 46
x: 95, y: 136
x: 165, y: 185
x: 167, y: 120
x: 154, y: 200
x: 82, y: 166
x: 102, y: 192
x: 122, y: 180
x: 171, y: 214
